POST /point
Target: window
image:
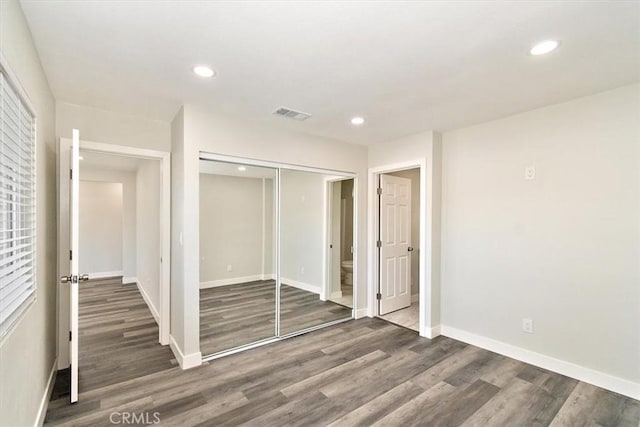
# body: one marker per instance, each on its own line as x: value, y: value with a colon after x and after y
x: 17, y: 204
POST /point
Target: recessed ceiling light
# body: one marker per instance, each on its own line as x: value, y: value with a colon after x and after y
x: 80, y: 158
x: 203, y: 71
x: 544, y: 47
x: 357, y: 121
x: 242, y: 168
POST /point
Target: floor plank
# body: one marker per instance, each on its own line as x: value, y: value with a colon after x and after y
x: 359, y: 373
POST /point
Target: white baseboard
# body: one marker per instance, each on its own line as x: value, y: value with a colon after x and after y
x: 105, y: 274
x: 185, y: 361
x: 44, y: 403
x: 231, y: 281
x: 268, y: 277
x: 432, y: 332
x: 300, y: 285
x: 336, y: 294
x: 152, y: 308
x: 588, y: 375
x: 129, y: 280
x: 362, y: 312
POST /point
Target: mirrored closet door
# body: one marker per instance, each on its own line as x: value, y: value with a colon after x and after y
x: 237, y: 255
x: 276, y: 253
x: 310, y: 251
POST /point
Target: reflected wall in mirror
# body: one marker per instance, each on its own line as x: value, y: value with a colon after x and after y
x: 237, y: 255
x: 306, y: 231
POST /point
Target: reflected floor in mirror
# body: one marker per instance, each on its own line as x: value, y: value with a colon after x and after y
x: 239, y: 314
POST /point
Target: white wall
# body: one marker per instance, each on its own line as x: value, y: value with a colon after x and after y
x: 129, y: 195
x: 110, y: 127
x: 28, y: 352
x: 302, y: 210
x: 563, y: 249
x: 101, y: 228
x: 231, y: 228
x: 147, y: 233
x: 414, y: 176
x: 425, y: 148
x: 195, y: 129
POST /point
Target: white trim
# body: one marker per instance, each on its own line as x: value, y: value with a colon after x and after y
x: 588, y: 375
x: 14, y: 81
x: 361, y: 312
x: 231, y: 281
x: 44, y: 403
x: 185, y: 361
x: 105, y: 274
x: 301, y: 285
x: 336, y: 295
x: 268, y: 276
x: 129, y: 280
x: 433, y: 332
x: 147, y: 299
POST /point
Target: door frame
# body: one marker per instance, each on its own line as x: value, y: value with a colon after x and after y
x: 328, y: 224
x: 164, y: 158
x: 426, y: 292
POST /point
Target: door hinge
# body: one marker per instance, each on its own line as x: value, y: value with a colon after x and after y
x: 379, y: 191
x: 379, y: 243
x: 70, y: 173
x: 378, y: 296
x: 70, y: 255
x: 70, y: 336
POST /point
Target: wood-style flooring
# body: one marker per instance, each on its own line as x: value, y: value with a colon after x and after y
x: 366, y: 372
x: 239, y: 314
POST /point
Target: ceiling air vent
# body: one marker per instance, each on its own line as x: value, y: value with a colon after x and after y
x: 292, y: 114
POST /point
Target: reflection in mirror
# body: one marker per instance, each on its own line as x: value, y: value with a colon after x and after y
x: 305, y: 282
x: 237, y: 255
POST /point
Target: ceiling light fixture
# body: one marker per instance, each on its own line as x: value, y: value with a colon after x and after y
x: 242, y: 168
x: 544, y: 47
x: 80, y: 158
x: 357, y: 121
x: 203, y: 71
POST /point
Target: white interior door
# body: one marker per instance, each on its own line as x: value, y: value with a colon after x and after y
x: 395, y: 243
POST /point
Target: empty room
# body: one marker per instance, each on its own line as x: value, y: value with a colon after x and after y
x: 319, y: 213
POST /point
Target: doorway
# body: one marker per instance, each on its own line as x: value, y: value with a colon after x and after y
x: 398, y: 247
x: 399, y: 302
x: 340, y: 241
x: 113, y: 225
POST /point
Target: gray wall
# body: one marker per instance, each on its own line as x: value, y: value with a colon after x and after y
x: 563, y: 249
x: 147, y: 231
x: 101, y: 227
x: 231, y: 221
x: 28, y: 352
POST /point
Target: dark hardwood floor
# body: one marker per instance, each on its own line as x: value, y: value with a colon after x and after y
x: 235, y: 315
x: 363, y: 372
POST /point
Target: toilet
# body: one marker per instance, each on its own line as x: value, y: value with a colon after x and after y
x: 346, y: 272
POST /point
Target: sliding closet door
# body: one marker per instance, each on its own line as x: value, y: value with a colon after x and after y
x: 305, y: 246
x: 237, y: 255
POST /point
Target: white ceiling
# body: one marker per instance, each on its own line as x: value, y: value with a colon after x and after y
x: 405, y: 66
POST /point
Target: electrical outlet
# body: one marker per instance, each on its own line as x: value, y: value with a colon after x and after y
x: 530, y: 173
x: 527, y: 326
x: 229, y: 267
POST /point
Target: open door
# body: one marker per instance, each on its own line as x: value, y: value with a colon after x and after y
x: 74, y: 277
x: 394, y: 243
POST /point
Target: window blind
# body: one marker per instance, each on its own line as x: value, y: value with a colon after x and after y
x: 17, y: 205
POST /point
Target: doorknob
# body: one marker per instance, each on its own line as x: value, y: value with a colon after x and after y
x: 65, y: 279
x: 410, y: 249
x: 74, y: 279
x: 83, y: 277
